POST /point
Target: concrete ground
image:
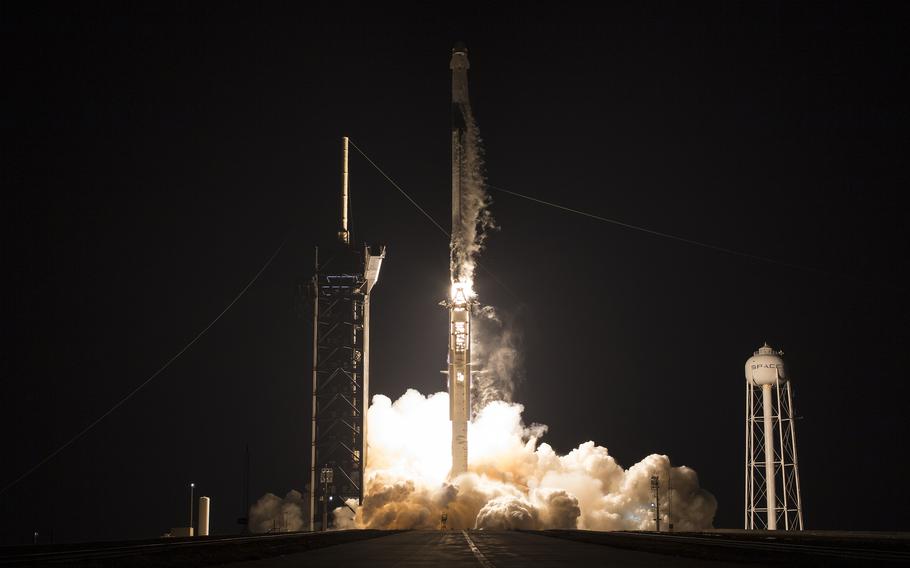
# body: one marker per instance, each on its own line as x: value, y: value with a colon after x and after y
x: 474, y: 549
x: 481, y: 549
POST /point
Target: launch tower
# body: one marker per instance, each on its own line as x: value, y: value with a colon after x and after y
x: 344, y: 276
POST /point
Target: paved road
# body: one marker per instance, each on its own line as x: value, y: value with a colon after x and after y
x: 483, y: 549
x: 474, y: 549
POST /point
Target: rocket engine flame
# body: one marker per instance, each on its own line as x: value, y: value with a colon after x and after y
x: 461, y: 292
x: 514, y: 480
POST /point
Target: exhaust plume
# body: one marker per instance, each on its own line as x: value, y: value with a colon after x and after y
x: 515, y: 481
x: 496, y: 350
x: 475, y: 218
x: 271, y: 513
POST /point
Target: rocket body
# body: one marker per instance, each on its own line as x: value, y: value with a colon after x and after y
x: 460, y: 301
x: 459, y: 66
x: 459, y: 372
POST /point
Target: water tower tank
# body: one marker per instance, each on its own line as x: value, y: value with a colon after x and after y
x: 765, y: 367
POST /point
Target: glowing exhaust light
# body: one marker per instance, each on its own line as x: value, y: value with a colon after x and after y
x: 461, y: 293
x: 412, y: 439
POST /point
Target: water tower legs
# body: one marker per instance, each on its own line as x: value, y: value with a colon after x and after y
x: 769, y: 456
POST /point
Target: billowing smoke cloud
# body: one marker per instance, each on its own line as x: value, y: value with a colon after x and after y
x: 496, y: 351
x: 515, y: 481
x: 271, y: 513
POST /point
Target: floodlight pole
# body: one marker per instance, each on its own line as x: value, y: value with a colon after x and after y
x: 192, y: 487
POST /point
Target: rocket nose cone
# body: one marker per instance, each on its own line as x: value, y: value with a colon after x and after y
x: 459, y: 61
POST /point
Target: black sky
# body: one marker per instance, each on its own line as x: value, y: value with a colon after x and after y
x: 155, y: 156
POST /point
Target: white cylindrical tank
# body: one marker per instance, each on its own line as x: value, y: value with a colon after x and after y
x: 204, y: 507
x: 766, y: 367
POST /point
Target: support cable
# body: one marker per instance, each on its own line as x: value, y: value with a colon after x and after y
x: 692, y: 241
x: 152, y: 377
x: 403, y: 192
x: 643, y: 229
x: 653, y: 232
x: 432, y: 220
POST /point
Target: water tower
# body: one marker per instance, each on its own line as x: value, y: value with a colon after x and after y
x: 772, y: 476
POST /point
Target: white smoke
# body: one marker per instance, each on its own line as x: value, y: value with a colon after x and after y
x: 475, y: 201
x: 495, y: 350
x: 271, y: 513
x: 515, y: 481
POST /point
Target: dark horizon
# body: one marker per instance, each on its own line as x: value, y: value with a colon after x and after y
x: 155, y: 157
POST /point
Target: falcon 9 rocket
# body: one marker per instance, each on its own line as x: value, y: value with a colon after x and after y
x: 460, y: 302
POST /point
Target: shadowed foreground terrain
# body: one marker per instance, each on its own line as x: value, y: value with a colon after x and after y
x: 486, y: 549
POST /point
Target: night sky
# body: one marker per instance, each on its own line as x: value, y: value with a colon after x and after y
x: 154, y: 158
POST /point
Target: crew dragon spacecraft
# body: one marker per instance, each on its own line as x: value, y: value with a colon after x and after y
x: 460, y: 301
